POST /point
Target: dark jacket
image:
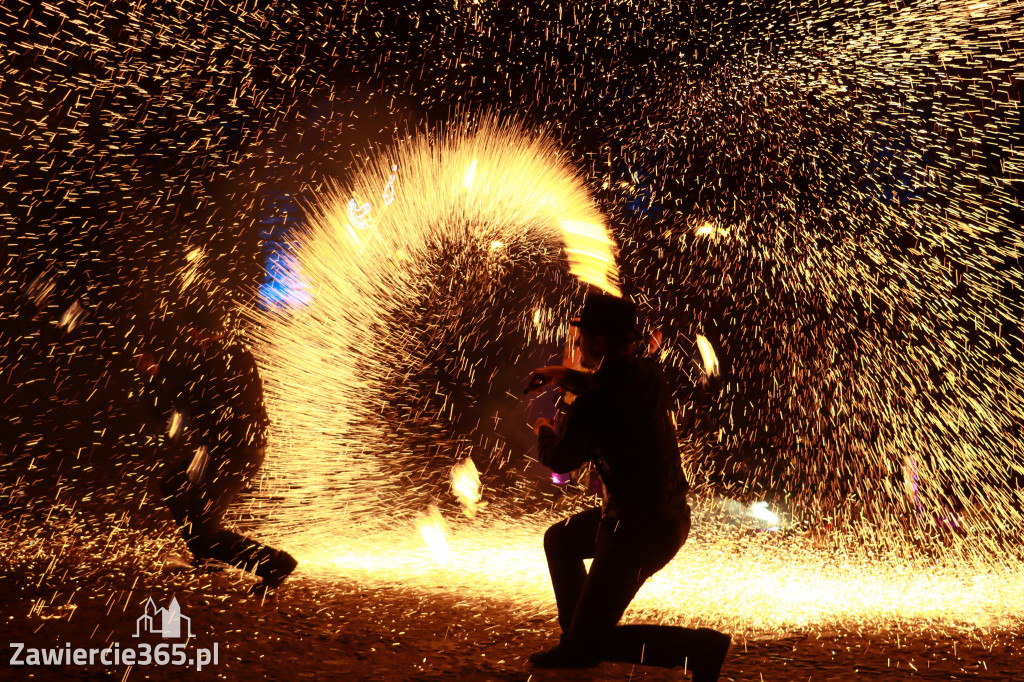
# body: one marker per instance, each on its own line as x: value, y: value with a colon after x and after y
x: 622, y: 423
x: 217, y: 383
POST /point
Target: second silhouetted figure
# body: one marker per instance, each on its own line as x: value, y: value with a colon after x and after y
x: 212, y: 384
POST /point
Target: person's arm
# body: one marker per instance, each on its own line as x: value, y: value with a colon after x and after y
x: 572, y: 380
x: 576, y: 381
x: 575, y: 445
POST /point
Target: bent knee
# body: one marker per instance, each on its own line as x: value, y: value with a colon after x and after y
x: 554, y: 537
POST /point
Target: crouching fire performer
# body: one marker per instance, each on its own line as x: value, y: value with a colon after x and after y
x: 620, y: 422
x: 210, y: 388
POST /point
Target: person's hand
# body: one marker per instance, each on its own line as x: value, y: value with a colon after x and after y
x: 544, y: 376
x: 542, y: 422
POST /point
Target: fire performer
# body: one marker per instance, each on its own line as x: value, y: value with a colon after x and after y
x: 621, y: 422
x: 211, y: 387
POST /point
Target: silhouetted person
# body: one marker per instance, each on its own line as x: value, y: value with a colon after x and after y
x: 211, y: 388
x: 621, y: 422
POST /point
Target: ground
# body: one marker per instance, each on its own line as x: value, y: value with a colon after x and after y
x: 90, y: 594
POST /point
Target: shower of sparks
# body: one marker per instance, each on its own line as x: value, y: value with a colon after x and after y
x: 753, y: 585
x: 828, y: 192
x: 864, y: 305
x: 343, y: 373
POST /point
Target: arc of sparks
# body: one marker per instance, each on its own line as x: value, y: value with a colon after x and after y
x: 329, y: 366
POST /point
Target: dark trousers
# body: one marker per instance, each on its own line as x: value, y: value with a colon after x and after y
x: 625, y: 554
x: 198, y: 503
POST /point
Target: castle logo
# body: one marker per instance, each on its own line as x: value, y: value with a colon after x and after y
x: 165, y: 622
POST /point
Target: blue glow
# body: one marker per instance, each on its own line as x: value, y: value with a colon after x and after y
x: 283, y: 286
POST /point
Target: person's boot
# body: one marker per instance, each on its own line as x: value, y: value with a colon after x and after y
x: 713, y: 647
x: 273, y: 571
x: 564, y: 656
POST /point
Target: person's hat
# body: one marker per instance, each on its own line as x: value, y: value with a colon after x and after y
x: 603, y: 313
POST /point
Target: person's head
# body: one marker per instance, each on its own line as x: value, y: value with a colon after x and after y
x: 189, y: 320
x: 607, y: 327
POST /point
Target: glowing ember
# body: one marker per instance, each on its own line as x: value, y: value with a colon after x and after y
x: 760, y: 511
x: 197, y: 467
x: 192, y: 271
x: 434, y: 532
x: 708, y: 357
x: 466, y: 486
x: 707, y: 228
x: 591, y: 253
x: 175, y: 425
x: 72, y: 316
